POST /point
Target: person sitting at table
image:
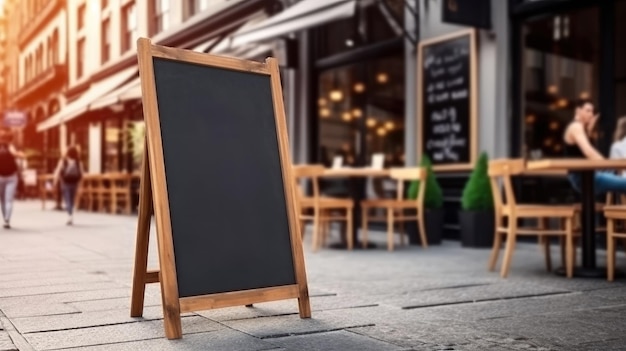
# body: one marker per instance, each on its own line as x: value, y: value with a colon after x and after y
x: 578, y: 145
x: 618, y: 148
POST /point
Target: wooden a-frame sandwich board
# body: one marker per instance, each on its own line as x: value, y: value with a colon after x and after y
x: 154, y: 197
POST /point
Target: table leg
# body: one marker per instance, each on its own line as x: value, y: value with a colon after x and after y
x: 357, y: 193
x: 588, y: 222
x: 588, y: 234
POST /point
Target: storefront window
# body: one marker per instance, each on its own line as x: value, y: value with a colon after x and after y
x: 560, y: 65
x: 112, y: 146
x: 364, y: 99
x: 136, y: 132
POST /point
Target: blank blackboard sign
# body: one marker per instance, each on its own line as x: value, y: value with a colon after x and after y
x: 218, y: 177
x: 447, y: 94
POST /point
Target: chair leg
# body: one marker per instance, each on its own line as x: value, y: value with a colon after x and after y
x: 349, y: 224
x: 569, y: 248
x: 610, y: 249
x: 364, y: 227
x: 546, y: 249
x: 403, y: 237
x: 563, y: 244
x: 390, y: 238
x: 316, y: 229
x: 510, y: 247
x: 302, y: 227
x: 495, y: 251
x: 422, y: 227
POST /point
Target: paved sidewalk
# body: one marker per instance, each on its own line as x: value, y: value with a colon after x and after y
x: 69, y: 288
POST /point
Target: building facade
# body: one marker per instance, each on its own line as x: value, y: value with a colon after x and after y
x: 355, y: 81
x: 92, y: 46
x: 349, y: 70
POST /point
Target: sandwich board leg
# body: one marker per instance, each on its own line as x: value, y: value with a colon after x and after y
x: 141, y: 245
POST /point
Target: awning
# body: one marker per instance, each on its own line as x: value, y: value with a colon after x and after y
x: 207, y: 44
x: 302, y: 15
x: 128, y: 91
x: 226, y: 45
x: 81, y: 105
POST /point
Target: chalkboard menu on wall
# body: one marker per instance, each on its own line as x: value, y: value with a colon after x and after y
x: 447, y: 100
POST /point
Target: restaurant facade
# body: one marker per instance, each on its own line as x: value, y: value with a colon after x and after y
x: 356, y: 82
x: 351, y: 78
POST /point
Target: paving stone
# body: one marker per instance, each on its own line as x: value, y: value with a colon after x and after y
x: 6, y: 344
x: 276, y: 326
x: 110, y: 334
x: 565, y: 329
x: 511, y: 308
x: 83, y: 320
x: 53, y: 289
x: 334, y: 341
x: 222, y: 340
x: 283, y: 307
x: 113, y: 303
x: 40, y: 305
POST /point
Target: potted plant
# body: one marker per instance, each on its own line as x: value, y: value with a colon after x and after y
x: 476, y: 217
x: 433, y: 207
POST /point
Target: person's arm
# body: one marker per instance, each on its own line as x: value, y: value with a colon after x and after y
x: 615, y: 151
x: 580, y: 137
x: 57, y: 172
x: 16, y: 153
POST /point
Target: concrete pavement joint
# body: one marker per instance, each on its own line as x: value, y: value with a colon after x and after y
x: 143, y: 319
x: 464, y: 302
x: 456, y: 287
x: 283, y: 335
x: 18, y: 340
x: 51, y: 293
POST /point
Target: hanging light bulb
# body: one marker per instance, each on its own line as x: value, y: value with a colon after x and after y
x: 336, y: 95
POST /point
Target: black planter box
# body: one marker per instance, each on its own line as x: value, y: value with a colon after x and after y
x: 433, y: 223
x: 477, y: 228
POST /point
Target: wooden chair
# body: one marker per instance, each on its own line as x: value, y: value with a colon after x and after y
x: 324, y: 208
x: 614, y: 213
x: 508, y: 209
x: 121, y: 192
x: 395, y: 208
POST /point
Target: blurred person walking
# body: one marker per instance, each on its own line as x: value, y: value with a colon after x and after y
x: 69, y: 172
x: 8, y: 175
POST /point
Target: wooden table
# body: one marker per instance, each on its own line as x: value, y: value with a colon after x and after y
x: 358, y: 191
x: 586, y: 168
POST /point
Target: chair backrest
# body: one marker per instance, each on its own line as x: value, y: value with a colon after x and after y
x: 409, y: 174
x: 503, y: 169
x: 312, y: 172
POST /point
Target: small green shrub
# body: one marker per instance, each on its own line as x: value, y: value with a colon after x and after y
x: 433, y: 196
x: 477, y: 192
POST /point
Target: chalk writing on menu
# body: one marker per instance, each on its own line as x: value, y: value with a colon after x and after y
x: 446, y: 101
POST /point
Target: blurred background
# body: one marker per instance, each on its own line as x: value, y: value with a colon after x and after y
x: 69, y: 76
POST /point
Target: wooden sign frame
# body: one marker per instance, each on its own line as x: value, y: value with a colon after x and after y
x: 154, y: 200
x: 473, y: 87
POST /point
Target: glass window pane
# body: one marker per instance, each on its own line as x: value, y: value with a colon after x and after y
x: 364, y: 96
x: 560, y: 65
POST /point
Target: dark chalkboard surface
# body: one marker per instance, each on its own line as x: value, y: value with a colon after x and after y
x: 447, y: 100
x: 217, y: 175
x: 223, y: 172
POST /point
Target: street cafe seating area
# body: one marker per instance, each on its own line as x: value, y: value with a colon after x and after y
x: 322, y: 210
x: 113, y: 193
x: 116, y: 193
